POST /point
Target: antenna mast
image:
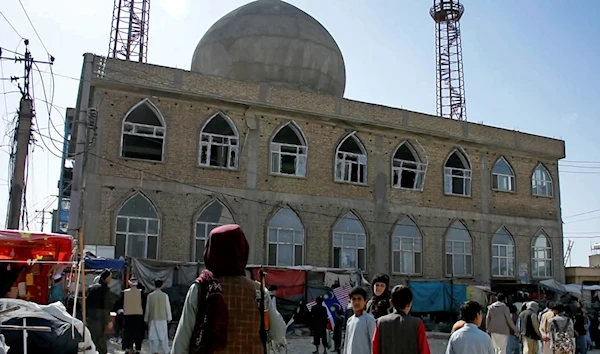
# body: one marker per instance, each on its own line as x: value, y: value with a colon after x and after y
x: 129, y: 30
x: 450, y: 90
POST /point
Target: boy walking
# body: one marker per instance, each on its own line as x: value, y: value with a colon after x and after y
x: 361, y: 326
x: 470, y: 339
x: 400, y: 332
x: 340, y: 321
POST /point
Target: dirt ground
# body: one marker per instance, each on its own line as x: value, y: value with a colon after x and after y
x: 303, y: 345
x: 296, y: 345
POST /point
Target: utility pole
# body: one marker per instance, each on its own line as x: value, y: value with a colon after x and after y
x: 43, y: 222
x: 23, y: 138
x: 83, y: 102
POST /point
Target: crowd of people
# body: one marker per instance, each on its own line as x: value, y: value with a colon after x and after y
x: 383, y: 325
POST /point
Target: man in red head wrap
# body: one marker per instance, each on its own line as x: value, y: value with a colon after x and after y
x: 220, y: 314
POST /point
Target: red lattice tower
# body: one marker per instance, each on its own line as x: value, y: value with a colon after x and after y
x: 450, y: 78
x: 129, y: 30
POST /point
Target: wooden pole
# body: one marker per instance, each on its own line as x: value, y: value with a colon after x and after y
x: 82, y: 279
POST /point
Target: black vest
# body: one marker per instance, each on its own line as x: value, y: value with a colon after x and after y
x: 527, y: 328
x: 398, y: 333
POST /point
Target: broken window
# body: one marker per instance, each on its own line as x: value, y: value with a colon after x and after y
x: 138, y: 229
x: 351, y: 161
x: 503, y: 177
x: 541, y: 182
x: 143, y: 133
x: 349, y: 243
x: 286, y: 239
x: 407, y: 170
x: 214, y: 215
x: 219, y: 143
x: 288, y: 151
x: 457, y: 175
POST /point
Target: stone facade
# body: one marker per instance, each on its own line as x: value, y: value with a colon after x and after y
x: 180, y: 189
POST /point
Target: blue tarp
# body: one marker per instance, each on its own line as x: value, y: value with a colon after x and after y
x: 437, y: 296
x: 104, y: 263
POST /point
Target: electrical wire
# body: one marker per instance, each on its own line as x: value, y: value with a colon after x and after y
x: 34, y: 29
x: 11, y: 26
x: 299, y: 210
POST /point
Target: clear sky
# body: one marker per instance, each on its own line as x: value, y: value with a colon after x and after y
x: 529, y: 65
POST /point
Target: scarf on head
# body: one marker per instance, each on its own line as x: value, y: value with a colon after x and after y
x: 226, y: 254
x: 380, y: 304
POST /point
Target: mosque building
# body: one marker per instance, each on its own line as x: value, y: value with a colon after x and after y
x: 259, y: 133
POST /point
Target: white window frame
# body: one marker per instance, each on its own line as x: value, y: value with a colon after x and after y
x: 497, y: 177
x: 542, y: 184
x: 300, y: 158
x: 345, y: 160
x: 508, y: 259
x: 205, y: 225
x: 354, y: 248
x: 158, y: 132
x: 207, y: 140
x: 300, y: 154
x: 146, y: 235
x: 468, y: 252
x: 401, y: 254
x: 534, y: 259
x: 416, y: 166
x: 277, y: 243
x: 466, y: 175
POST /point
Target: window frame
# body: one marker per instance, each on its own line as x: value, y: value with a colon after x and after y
x: 509, y: 260
x: 341, y: 234
x: 163, y: 126
x: 534, y: 259
x: 210, y: 143
x: 401, y: 252
x: 497, y: 176
x: 195, y: 237
x: 346, y: 164
x: 147, y: 221
x: 420, y: 169
x: 451, y: 273
x: 466, y: 175
x: 278, y: 243
x: 537, y: 183
x: 275, y: 150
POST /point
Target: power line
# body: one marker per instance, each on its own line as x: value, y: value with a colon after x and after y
x: 580, y: 214
x: 10, y: 24
x: 335, y: 216
x: 34, y: 29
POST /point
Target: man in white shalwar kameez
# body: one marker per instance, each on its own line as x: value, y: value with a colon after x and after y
x: 158, y: 316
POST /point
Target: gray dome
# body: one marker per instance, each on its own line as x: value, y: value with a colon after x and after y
x: 273, y: 42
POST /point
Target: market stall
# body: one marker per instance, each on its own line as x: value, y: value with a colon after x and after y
x: 28, y: 260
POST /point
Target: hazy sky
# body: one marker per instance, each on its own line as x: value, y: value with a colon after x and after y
x: 529, y: 65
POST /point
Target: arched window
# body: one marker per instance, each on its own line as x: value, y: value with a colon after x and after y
x: 349, y: 243
x: 541, y: 257
x: 143, y: 133
x: 351, y: 161
x: 459, y: 251
x: 288, y: 151
x: 503, y: 176
x: 503, y: 254
x: 212, y: 216
x: 457, y: 174
x: 407, y: 170
x: 219, y: 143
x: 138, y: 228
x: 541, y: 182
x: 286, y: 239
x: 407, y: 248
